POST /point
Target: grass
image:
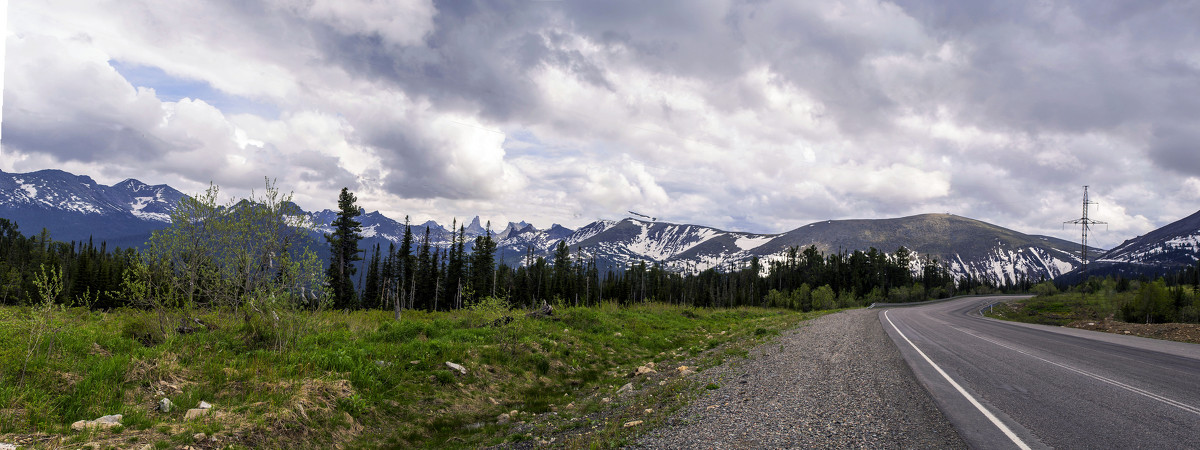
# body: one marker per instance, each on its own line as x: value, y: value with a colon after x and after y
x: 1047, y: 312
x: 362, y: 379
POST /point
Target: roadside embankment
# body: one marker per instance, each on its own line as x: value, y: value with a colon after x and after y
x: 837, y: 381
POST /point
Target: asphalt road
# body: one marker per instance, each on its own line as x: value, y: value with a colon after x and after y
x: 1012, y: 385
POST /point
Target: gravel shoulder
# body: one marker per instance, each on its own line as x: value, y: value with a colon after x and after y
x: 837, y: 381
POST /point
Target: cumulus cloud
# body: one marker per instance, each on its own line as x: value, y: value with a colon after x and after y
x: 750, y: 115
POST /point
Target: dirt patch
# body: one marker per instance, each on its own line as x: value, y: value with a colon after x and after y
x: 1181, y: 332
x: 164, y: 370
x: 97, y: 350
x: 311, y: 408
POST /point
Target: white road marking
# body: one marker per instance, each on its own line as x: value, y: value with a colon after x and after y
x: 1134, y: 389
x: 1004, y: 428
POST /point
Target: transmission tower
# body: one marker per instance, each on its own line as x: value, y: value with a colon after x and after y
x: 1085, y: 223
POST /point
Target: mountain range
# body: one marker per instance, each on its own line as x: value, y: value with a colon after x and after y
x: 74, y: 207
x: 1156, y: 253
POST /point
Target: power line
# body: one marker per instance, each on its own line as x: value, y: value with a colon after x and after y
x: 1085, y: 223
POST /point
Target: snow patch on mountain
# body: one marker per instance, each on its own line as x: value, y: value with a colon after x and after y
x: 1009, y: 266
x: 752, y: 242
x: 590, y: 230
x: 30, y: 190
x: 138, y: 206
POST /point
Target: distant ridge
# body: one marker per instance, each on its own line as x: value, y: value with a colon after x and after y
x: 1156, y: 253
x: 74, y: 207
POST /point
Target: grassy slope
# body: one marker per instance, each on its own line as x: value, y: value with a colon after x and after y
x: 360, y: 379
x: 1095, y: 311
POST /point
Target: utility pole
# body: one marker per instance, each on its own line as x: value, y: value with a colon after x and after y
x: 1085, y: 223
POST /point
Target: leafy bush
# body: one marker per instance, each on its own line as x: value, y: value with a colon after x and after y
x: 143, y: 328
x: 487, y: 311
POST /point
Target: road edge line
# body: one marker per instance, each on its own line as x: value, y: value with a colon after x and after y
x: 995, y: 421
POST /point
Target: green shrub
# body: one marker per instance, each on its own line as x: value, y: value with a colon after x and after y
x: 145, y: 329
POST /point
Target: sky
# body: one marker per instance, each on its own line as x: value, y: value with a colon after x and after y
x: 750, y: 115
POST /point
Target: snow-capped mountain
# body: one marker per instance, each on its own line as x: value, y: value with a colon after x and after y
x: 965, y: 246
x: 509, y: 230
x: 1176, y: 244
x: 75, y: 207
x: 677, y: 247
x: 1155, y: 253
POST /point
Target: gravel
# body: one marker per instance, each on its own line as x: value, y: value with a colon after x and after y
x: 837, y: 381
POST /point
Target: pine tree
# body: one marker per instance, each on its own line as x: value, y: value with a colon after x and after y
x: 562, y: 272
x: 425, y: 276
x: 371, y: 288
x: 483, y: 263
x: 387, y: 279
x: 406, y: 266
x: 343, y: 245
x: 456, y: 269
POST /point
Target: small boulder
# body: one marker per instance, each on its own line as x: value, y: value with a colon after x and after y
x: 643, y: 370
x: 627, y: 388
x: 458, y: 367
x: 165, y: 405
x: 195, y: 413
x: 204, y: 405
x: 504, y: 419
x: 199, y: 437
x: 105, y: 422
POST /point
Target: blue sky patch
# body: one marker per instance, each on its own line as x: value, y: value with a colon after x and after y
x: 172, y: 89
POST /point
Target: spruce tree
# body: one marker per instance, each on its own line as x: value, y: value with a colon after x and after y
x: 343, y: 246
x: 407, y: 266
x: 426, y: 275
x: 456, y: 268
x: 483, y: 261
x: 371, y: 287
x: 562, y: 272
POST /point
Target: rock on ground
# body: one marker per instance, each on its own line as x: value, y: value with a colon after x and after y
x: 108, y: 421
x: 837, y: 381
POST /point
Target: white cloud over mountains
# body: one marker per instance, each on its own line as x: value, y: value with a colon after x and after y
x: 759, y: 116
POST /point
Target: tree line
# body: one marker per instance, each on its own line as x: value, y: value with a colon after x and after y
x: 240, y: 254
x: 418, y: 275
x: 89, y: 274
x: 1172, y: 297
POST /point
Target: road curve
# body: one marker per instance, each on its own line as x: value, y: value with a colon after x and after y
x: 1013, y: 385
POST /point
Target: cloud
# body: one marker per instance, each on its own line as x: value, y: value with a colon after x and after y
x: 395, y: 23
x: 1175, y: 148
x: 751, y: 115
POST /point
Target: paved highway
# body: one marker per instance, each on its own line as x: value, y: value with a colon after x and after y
x: 1012, y: 385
